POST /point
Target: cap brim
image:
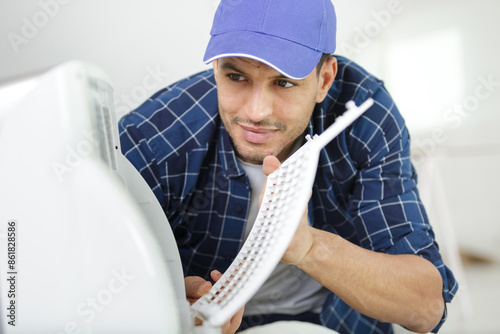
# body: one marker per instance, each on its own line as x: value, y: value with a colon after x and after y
x: 293, y: 60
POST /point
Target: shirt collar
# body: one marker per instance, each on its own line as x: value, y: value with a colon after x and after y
x: 229, y: 161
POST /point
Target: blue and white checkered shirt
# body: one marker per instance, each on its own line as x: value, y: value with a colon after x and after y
x: 365, y: 187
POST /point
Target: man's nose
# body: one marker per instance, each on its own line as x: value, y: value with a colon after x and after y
x: 259, y: 104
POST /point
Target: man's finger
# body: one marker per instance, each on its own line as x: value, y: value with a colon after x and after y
x: 196, y: 287
x: 270, y: 164
x: 215, y: 274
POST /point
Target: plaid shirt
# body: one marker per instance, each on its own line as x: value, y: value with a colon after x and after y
x: 365, y: 187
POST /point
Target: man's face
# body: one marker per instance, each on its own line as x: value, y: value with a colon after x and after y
x: 263, y: 111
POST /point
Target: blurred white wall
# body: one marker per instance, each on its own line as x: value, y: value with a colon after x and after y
x: 142, y: 45
x: 439, y: 60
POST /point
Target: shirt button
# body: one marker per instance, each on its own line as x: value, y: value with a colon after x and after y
x: 238, y: 208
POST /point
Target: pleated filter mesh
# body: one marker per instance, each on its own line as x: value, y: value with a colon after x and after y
x: 285, y: 198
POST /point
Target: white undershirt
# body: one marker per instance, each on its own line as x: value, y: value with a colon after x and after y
x: 288, y: 290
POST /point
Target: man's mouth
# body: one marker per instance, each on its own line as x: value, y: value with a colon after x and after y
x: 256, y: 135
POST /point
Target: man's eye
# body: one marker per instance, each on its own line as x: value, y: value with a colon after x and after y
x: 236, y: 77
x: 284, y: 83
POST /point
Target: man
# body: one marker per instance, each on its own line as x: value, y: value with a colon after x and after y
x: 364, y: 255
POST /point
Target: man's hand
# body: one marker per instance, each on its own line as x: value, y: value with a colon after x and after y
x: 303, y: 239
x: 196, y: 287
x: 403, y: 289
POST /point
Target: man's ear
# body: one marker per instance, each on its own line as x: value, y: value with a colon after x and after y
x: 214, y: 65
x: 326, y: 77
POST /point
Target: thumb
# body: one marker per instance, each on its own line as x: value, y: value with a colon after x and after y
x: 270, y: 164
x: 196, y: 287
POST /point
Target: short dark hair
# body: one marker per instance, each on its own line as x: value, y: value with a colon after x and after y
x: 324, y: 57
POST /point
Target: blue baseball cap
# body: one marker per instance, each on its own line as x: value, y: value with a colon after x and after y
x: 288, y: 35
